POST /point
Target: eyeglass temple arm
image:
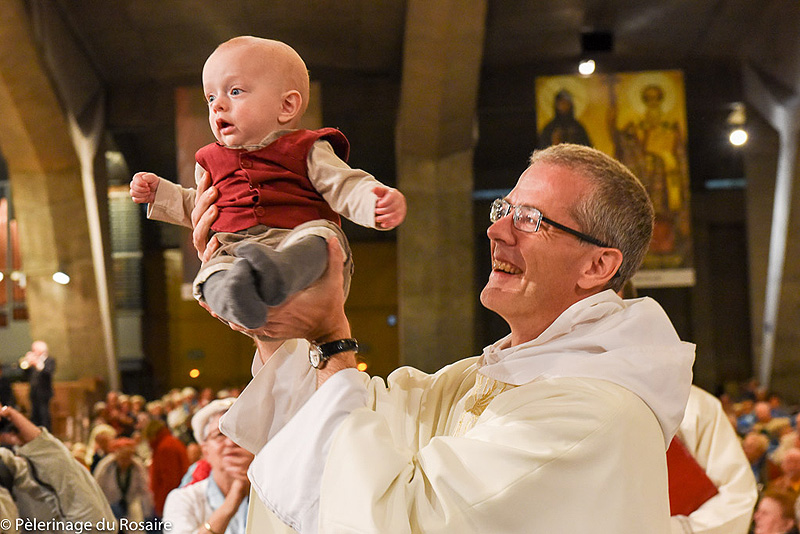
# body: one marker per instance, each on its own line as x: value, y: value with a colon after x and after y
x: 579, y: 235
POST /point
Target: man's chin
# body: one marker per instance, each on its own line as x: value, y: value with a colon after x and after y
x: 489, y: 297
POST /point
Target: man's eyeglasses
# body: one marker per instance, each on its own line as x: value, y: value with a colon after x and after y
x: 528, y: 219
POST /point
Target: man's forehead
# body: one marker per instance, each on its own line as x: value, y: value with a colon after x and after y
x: 550, y: 181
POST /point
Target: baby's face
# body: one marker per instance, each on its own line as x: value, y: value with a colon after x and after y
x: 244, y: 98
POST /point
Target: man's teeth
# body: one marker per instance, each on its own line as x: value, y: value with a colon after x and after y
x: 498, y: 265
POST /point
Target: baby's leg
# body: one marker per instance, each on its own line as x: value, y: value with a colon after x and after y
x: 262, y: 276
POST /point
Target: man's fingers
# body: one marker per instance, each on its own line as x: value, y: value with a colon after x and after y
x: 335, y: 253
x: 211, y: 248
x: 202, y: 202
x: 201, y: 229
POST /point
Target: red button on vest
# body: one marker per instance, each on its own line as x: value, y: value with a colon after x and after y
x: 260, y: 210
x: 247, y: 164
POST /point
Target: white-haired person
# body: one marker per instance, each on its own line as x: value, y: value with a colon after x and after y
x: 217, y: 504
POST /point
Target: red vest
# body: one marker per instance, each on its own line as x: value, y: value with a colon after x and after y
x: 270, y: 185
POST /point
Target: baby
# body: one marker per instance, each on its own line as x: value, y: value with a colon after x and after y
x: 281, y: 189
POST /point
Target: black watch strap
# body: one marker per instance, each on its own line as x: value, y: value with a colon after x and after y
x: 319, y: 354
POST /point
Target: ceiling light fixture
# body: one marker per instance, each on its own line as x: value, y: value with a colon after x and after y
x: 738, y: 137
x: 586, y: 67
x: 737, y: 118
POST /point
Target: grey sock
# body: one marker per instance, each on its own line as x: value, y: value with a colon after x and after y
x: 262, y: 277
x: 281, y: 273
x: 231, y: 294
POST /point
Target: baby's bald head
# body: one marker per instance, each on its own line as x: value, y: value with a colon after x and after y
x: 278, y: 58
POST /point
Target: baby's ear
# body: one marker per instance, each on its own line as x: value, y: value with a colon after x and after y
x: 291, y: 104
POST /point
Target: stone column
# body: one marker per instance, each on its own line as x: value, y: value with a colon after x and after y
x: 50, y: 207
x: 436, y: 135
x: 772, y: 88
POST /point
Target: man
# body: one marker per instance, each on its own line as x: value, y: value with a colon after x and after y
x: 755, y: 446
x: 562, y: 426
x: 219, y: 502
x: 123, y: 479
x: 40, y: 368
x: 709, y: 436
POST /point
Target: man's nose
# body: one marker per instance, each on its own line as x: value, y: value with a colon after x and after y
x: 501, y: 229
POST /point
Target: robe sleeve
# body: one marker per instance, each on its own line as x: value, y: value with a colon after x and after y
x: 292, y: 493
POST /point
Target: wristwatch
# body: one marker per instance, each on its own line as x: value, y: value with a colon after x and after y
x: 318, y: 355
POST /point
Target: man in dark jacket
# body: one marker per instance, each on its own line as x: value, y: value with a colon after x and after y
x: 40, y: 368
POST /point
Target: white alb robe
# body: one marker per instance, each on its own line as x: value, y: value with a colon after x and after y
x: 577, y: 446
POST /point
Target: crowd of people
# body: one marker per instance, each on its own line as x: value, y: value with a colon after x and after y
x: 137, y: 453
x: 164, y: 463
x: 770, y: 437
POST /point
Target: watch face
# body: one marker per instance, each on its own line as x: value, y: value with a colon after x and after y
x: 314, y: 356
x: 319, y: 354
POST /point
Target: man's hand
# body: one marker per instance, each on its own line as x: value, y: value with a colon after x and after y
x: 26, y: 430
x: 203, y: 216
x: 390, y: 209
x: 143, y: 187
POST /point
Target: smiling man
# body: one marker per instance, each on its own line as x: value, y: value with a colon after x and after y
x: 559, y: 427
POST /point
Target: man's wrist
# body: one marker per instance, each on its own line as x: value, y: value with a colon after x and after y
x: 342, y: 332
x: 337, y: 362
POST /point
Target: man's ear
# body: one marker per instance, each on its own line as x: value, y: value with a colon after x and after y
x: 603, y: 266
x: 291, y: 104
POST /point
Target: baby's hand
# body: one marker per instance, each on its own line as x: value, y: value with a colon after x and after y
x: 143, y: 187
x: 390, y: 209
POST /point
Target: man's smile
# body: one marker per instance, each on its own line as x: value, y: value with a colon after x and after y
x: 499, y: 265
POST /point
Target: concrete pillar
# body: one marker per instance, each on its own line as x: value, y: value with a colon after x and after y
x: 772, y: 88
x: 50, y: 208
x: 443, y: 48
x: 761, y: 168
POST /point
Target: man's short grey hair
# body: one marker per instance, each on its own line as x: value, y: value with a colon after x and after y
x: 617, y: 210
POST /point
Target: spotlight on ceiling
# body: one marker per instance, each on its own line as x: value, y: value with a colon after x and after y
x: 586, y: 67
x: 737, y: 122
x: 738, y: 137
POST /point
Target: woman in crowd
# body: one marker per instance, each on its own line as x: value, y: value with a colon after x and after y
x: 219, y: 502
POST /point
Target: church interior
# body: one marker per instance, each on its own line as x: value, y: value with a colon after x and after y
x: 443, y: 99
